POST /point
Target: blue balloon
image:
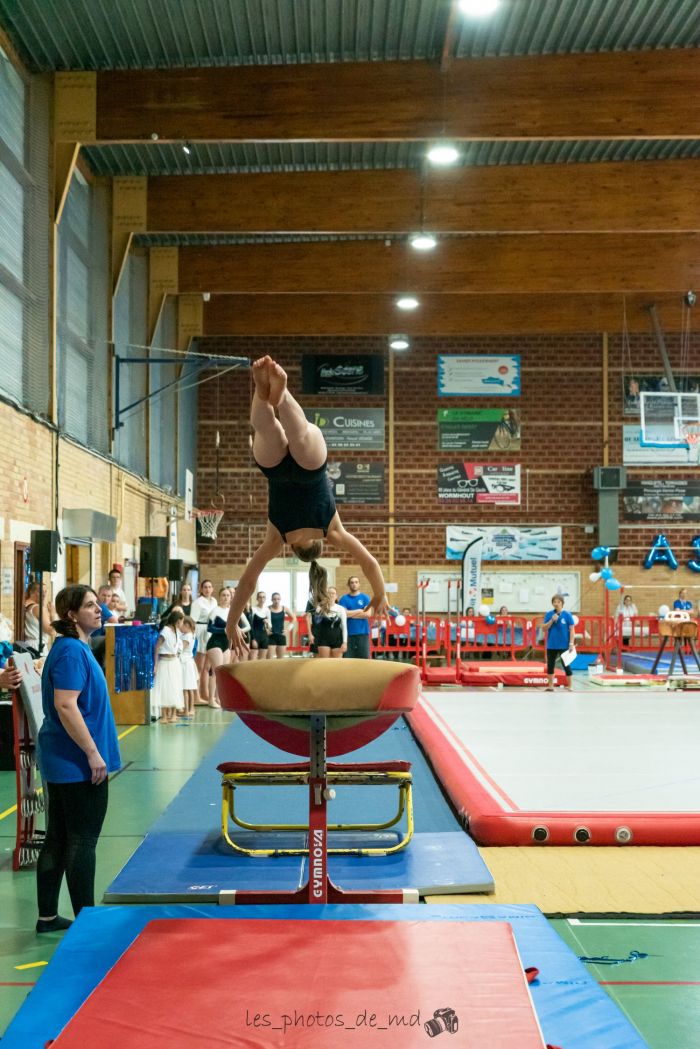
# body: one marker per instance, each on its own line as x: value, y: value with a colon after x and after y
x: 694, y: 565
x: 606, y: 573
x: 613, y: 584
x: 661, y: 554
x: 597, y: 553
x: 490, y: 620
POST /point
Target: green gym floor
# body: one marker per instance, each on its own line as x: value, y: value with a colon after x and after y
x: 651, y: 968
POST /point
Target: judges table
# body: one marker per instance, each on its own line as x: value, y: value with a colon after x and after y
x: 129, y: 671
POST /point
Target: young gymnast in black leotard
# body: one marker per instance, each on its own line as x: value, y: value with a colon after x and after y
x: 291, y: 452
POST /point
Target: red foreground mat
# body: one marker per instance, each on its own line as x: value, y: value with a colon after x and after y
x: 194, y: 983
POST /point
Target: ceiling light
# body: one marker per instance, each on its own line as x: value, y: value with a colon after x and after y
x: 399, y: 342
x: 442, y: 156
x: 478, y: 8
x: 407, y: 302
x: 186, y: 149
x: 423, y: 242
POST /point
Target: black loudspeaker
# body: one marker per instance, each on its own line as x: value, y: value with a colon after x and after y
x: 176, y: 570
x: 154, y: 556
x: 44, y: 551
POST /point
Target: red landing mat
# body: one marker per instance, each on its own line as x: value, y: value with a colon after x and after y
x: 498, y: 671
x: 193, y: 983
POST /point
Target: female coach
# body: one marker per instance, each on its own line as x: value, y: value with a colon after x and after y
x: 77, y: 749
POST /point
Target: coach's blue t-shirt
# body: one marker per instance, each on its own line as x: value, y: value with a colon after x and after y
x: 558, y: 635
x: 684, y: 606
x: 71, y: 666
x: 352, y: 602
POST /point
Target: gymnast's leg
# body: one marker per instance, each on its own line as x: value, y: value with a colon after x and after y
x: 306, y: 442
x: 269, y: 441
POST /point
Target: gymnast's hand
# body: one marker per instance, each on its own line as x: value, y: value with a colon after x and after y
x: 237, y: 641
x: 380, y: 606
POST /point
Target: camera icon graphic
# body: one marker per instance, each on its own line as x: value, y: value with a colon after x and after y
x: 442, y: 1020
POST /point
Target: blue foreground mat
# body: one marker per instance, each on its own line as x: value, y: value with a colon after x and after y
x: 184, y: 857
x: 573, y: 1011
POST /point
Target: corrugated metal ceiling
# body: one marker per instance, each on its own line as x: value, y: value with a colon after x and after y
x: 221, y: 158
x: 144, y: 34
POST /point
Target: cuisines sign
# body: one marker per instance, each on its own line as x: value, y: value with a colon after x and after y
x: 351, y: 428
x: 361, y: 373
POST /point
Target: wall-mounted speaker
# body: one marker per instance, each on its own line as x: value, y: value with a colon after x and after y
x: 153, y: 561
x: 176, y: 569
x: 44, y: 551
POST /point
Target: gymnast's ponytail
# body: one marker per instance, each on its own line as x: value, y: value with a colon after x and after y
x: 70, y: 599
x: 318, y: 585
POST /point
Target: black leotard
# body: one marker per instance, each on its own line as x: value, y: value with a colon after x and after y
x: 298, y: 498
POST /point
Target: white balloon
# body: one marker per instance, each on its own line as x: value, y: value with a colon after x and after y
x: 484, y: 610
x: 594, y: 577
x: 663, y: 611
x: 400, y: 620
x: 575, y: 619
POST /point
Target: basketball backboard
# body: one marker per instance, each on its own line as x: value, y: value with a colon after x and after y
x: 670, y: 420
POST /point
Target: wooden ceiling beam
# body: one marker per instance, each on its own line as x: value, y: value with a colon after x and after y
x: 654, y: 196
x: 616, y: 95
x: 502, y: 264
x: 439, y: 315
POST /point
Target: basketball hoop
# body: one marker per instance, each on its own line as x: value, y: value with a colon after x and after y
x: 208, y: 522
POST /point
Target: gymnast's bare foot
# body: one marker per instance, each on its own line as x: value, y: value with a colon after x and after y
x: 261, y: 378
x: 278, y: 383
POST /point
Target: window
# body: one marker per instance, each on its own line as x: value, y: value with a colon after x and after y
x: 13, y: 179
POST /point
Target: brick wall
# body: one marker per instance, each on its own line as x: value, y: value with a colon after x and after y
x: 84, y: 481
x: 562, y: 439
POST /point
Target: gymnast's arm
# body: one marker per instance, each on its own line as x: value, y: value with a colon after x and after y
x: 270, y: 547
x: 339, y: 537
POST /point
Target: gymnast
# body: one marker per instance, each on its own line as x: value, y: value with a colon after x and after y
x: 291, y: 452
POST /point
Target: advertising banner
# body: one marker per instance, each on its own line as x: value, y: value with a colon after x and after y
x: 634, y: 453
x: 349, y: 428
x: 471, y: 574
x: 509, y: 543
x: 359, y: 373
x: 479, y: 376
x: 676, y: 499
x: 357, y: 482
x: 478, y: 429
x: 479, y: 483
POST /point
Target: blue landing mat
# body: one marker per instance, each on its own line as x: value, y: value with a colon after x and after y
x: 183, y: 857
x: 641, y: 663
x: 573, y: 1011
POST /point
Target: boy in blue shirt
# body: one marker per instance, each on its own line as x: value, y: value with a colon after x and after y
x: 356, y: 603
x: 559, y: 631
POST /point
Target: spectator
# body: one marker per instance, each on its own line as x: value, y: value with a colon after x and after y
x: 31, y: 618
x: 279, y: 617
x: 107, y: 615
x: 356, y: 604
x: 200, y: 610
x: 118, y: 595
x: 682, y: 601
x: 626, y: 612
x: 77, y: 748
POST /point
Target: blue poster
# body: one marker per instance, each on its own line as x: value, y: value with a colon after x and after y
x: 479, y: 375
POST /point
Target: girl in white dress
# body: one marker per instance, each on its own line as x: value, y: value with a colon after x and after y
x: 190, y: 677
x: 166, y: 694
x: 200, y: 611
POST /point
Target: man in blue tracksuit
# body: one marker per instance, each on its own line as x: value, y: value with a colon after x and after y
x: 357, y: 606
